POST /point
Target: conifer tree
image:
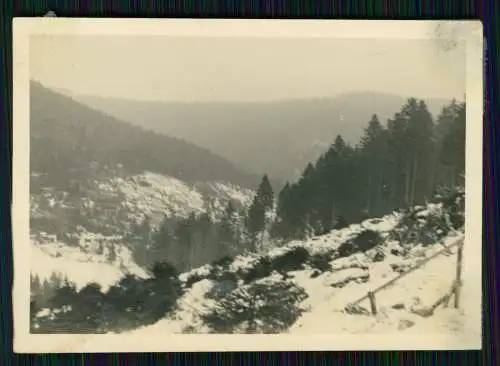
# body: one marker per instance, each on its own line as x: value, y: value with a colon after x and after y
x: 256, y: 218
x: 265, y: 193
x: 163, y: 242
x: 343, y: 178
x: 373, y: 149
x: 184, y: 247
x: 35, y: 284
x: 283, y: 226
x: 421, y: 152
x: 339, y: 145
x: 263, y: 203
x: 452, y: 150
x: 55, y: 280
x: 112, y: 254
x: 228, y: 233
x: 397, y: 159
x: 311, y: 200
x: 326, y: 172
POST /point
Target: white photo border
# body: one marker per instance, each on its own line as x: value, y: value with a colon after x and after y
x: 24, y: 28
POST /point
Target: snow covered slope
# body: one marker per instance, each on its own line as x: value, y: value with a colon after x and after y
x: 83, y: 236
x: 334, y: 282
x: 154, y: 195
x: 89, y: 261
x: 420, y: 289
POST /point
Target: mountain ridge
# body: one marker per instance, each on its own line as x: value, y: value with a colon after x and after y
x: 67, y: 135
x: 248, y: 133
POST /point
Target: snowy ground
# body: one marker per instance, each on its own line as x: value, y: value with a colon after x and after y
x: 81, y: 265
x: 329, y: 292
x: 353, y: 276
x: 419, y: 289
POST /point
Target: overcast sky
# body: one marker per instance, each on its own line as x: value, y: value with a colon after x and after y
x: 244, y: 69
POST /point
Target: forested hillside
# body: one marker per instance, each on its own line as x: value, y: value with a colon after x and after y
x: 72, y: 142
x: 397, y: 165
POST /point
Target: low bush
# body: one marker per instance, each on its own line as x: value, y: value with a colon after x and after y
x: 418, y: 226
x: 291, y: 260
x: 321, y: 261
x: 257, y: 308
x: 421, y: 226
x: 363, y: 242
x: 261, y: 269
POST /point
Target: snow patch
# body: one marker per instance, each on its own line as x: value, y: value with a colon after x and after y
x: 80, y: 265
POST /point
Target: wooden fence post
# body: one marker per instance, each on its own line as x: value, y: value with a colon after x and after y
x: 456, y: 286
x: 452, y: 292
x: 458, y: 277
x: 373, y: 304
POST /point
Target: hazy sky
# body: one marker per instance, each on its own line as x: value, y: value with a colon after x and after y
x: 248, y: 69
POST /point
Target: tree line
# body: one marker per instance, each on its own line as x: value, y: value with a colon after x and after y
x: 397, y: 165
x: 394, y: 166
x: 128, y: 304
x: 199, y: 239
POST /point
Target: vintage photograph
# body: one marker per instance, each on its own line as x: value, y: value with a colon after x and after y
x: 204, y: 183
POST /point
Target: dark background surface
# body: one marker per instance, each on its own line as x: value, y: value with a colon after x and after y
x: 487, y: 12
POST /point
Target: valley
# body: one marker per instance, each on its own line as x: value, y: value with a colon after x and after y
x: 137, y: 231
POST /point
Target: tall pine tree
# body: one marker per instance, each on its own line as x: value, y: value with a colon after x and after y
x: 373, y: 149
x: 262, y: 204
x: 452, y: 144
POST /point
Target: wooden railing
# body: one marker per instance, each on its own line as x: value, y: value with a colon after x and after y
x: 455, y: 289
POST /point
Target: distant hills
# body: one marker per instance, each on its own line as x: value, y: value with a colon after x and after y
x: 278, y: 138
x: 71, y: 141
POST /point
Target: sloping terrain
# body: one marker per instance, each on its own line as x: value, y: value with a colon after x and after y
x: 85, y: 237
x: 70, y: 142
x: 155, y: 195
x: 304, y: 287
x: 333, y: 271
x: 94, y: 177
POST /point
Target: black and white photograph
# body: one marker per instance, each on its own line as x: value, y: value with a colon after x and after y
x: 314, y: 184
